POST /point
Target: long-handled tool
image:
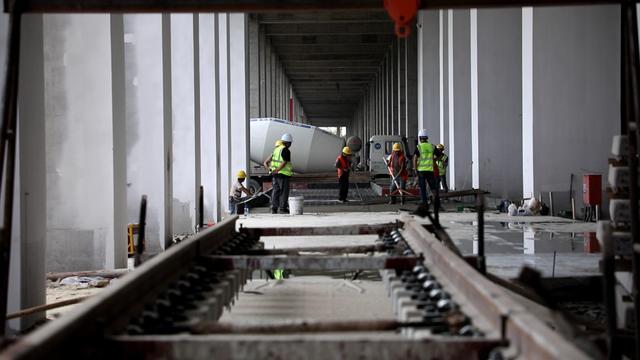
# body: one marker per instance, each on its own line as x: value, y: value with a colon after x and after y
x: 394, y: 179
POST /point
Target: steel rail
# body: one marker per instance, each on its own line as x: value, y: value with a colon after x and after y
x: 109, y: 310
x: 528, y: 334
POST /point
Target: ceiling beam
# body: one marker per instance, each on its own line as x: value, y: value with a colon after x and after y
x: 254, y: 6
x: 335, y: 17
x: 334, y: 29
x: 305, y: 39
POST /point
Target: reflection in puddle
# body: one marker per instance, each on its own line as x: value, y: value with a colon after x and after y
x: 528, y: 239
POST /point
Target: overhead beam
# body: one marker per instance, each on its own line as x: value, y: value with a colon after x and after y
x: 191, y: 6
x: 343, y: 56
x: 333, y: 39
x: 334, y: 29
x: 351, y: 263
x: 335, y: 17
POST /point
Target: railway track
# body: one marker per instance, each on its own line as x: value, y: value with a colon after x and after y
x: 169, y: 307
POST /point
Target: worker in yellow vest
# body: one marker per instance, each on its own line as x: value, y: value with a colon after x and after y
x: 423, y: 163
x: 442, y: 162
x: 281, y: 170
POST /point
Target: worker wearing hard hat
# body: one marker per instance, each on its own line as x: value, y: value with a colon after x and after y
x: 423, y: 162
x: 235, y: 194
x: 343, y: 165
x: 397, y: 165
x: 442, y: 163
x: 279, y: 166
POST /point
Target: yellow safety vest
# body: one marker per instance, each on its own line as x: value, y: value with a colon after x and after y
x: 276, y: 161
x: 425, y: 161
x: 442, y: 169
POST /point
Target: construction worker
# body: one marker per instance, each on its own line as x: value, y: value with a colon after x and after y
x: 281, y: 170
x: 423, y: 162
x: 235, y: 194
x: 343, y: 165
x: 397, y: 165
x: 442, y: 162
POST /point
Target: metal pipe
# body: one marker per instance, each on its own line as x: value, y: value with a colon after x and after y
x: 609, y: 295
x: 8, y: 149
x: 482, y: 268
x: 201, y: 208
x: 142, y: 223
x: 631, y: 110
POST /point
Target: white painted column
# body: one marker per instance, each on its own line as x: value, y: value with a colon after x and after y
x: 28, y: 238
x: 450, y: 72
x: 527, y: 103
x: 80, y: 145
x: 118, y: 249
x: 441, y: 69
x: 475, y: 147
x: 167, y: 117
x: 209, y: 141
x: 239, y: 91
x: 183, y: 124
x: 225, y: 108
x: 146, y: 158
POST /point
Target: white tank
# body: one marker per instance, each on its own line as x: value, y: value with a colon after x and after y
x: 312, y: 151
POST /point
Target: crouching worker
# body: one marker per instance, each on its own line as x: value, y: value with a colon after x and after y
x: 235, y: 194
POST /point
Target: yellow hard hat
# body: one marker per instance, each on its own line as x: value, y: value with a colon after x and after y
x: 241, y: 174
x: 279, y: 143
x: 396, y: 147
x: 440, y: 146
x: 346, y: 150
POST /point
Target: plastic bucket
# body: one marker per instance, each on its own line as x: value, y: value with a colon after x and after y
x: 295, y: 205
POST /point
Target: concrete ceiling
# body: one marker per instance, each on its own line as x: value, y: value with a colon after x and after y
x: 329, y: 57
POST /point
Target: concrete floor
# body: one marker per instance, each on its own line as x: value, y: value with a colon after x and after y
x: 511, y: 242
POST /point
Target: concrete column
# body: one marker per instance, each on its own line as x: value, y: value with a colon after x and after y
x: 183, y: 123
x: 499, y: 102
x: 393, y: 89
x: 254, y: 66
x: 444, y: 67
x: 263, y: 73
x: 79, y: 132
x: 277, y: 85
x: 146, y: 158
x: 167, y: 119
x: 429, y: 73
x: 225, y: 106
x: 576, y: 94
x: 239, y: 90
x: 268, y: 80
x: 209, y: 124
x: 450, y: 119
x: 412, y: 86
x: 28, y: 238
x: 118, y: 248
x: 527, y: 103
x: 400, y: 63
x: 460, y: 119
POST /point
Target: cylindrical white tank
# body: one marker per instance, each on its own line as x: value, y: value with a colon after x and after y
x: 312, y: 151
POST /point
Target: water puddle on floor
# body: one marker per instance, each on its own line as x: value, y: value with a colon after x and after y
x: 522, y: 238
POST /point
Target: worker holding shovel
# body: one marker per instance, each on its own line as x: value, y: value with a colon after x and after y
x: 397, y: 167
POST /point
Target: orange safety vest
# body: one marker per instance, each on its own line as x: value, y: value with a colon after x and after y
x: 344, y: 165
x: 404, y: 175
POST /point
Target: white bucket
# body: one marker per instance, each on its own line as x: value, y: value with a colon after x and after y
x: 295, y: 205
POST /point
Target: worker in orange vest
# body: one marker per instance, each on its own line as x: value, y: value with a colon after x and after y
x: 343, y: 164
x: 399, y: 175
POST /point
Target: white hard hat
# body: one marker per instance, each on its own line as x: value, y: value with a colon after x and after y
x: 423, y: 133
x: 287, y: 138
